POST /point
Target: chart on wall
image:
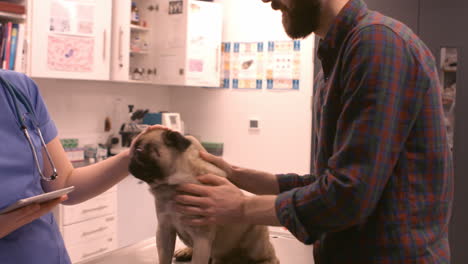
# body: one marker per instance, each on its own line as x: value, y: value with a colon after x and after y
x: 73, y: 54
x: 247, y: 65
x: 283, y: 65
x: 225, y: 65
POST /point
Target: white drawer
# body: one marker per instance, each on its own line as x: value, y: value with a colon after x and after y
x: 101, y: 205
x: 92, y: 248
x: 90, y: 230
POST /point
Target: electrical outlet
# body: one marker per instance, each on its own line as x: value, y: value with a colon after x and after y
x: 254, y: 124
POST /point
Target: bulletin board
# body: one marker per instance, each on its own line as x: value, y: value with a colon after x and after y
x: 248, y: 66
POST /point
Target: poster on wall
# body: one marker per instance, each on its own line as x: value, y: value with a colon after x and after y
x: 225, y: 65
x: 176, y: 7
x: 283, y: 66
x: 72, y: 17
x: 247, y: 65
x: 70, y: 54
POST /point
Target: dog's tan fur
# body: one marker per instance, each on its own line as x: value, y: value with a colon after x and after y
x: 178, y: 164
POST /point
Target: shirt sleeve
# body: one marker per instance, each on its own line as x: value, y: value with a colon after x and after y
x: 290, y: 181
x: 383, y: 89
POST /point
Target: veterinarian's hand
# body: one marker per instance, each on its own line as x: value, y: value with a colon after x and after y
x: 217, y: 202
x: 11, y: 221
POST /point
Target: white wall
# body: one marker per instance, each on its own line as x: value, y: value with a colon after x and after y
x: 79, y: 108
x: 283, y: 142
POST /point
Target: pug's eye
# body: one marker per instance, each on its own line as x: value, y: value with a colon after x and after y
x: 156, y: 150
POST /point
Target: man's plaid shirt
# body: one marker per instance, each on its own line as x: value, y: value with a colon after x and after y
x: 382, y: 189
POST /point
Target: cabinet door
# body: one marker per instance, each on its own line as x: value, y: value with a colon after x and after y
x: 204, y: 36
x: 132, y: 50
x: 71, y: 39
x: 136, y: 212
x: 120, y: 40
x: 187, y: 43
x: 170, y: 42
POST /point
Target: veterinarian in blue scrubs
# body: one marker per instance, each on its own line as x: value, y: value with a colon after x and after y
x: 30, y: 235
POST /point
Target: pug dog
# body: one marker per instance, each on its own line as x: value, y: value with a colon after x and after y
x: 164, y: 159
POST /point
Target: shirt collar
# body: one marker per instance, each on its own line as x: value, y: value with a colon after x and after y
x: 343, y: 23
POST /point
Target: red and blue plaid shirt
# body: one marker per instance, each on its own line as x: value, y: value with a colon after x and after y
x: 383, y: 184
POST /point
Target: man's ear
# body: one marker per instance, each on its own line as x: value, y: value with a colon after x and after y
x: 176, y: 140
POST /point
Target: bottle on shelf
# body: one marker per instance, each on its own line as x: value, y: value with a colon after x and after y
x: 135, y: 44
x: 135, y: 20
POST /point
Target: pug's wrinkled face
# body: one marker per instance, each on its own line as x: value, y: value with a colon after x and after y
x: 154, y: 153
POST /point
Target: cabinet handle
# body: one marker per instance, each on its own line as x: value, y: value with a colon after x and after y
x: 104, y: 44
x: 102, y: 228
x: 94, y: 209
x: 85, y: 255
x: 121, y: 32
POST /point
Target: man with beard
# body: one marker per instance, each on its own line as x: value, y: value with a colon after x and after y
x: 382, y: 189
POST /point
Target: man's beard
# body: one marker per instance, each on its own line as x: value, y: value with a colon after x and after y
x: 302, y: 19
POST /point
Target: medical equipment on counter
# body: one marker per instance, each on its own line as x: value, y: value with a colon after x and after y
x: 18, y: 97
x: 170, y: 120
x: 133, y: 127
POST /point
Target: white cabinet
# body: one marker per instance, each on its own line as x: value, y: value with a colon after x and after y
x: 132, y: 46
x: 176, y: 42
x: 90, y: 229
x: 136, y: 212
x: 70, y: 39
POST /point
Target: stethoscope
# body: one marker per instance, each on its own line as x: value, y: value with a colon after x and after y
x: 18, y: 96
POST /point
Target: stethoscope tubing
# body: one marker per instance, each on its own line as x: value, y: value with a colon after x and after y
x: 16, y: 96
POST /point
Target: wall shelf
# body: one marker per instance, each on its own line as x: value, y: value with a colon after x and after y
x: 139, y: 52
x: 12, y: 16
x: 138, y: 28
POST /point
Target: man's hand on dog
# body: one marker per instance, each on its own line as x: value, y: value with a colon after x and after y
x: 217, y: 202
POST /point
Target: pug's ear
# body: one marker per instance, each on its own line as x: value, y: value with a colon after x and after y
x: 176, y: 140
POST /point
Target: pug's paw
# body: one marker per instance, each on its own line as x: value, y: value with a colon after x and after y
x: 183, y: 254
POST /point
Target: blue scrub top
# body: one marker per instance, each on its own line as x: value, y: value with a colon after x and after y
x: 38, y: 242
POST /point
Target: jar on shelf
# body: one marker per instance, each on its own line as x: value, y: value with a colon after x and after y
x: 135, y: 43
x: 135, y: 17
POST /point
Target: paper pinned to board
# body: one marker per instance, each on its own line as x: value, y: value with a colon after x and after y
x: 70, y: 54
x: 283, y: 69
x: 247, y: 65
